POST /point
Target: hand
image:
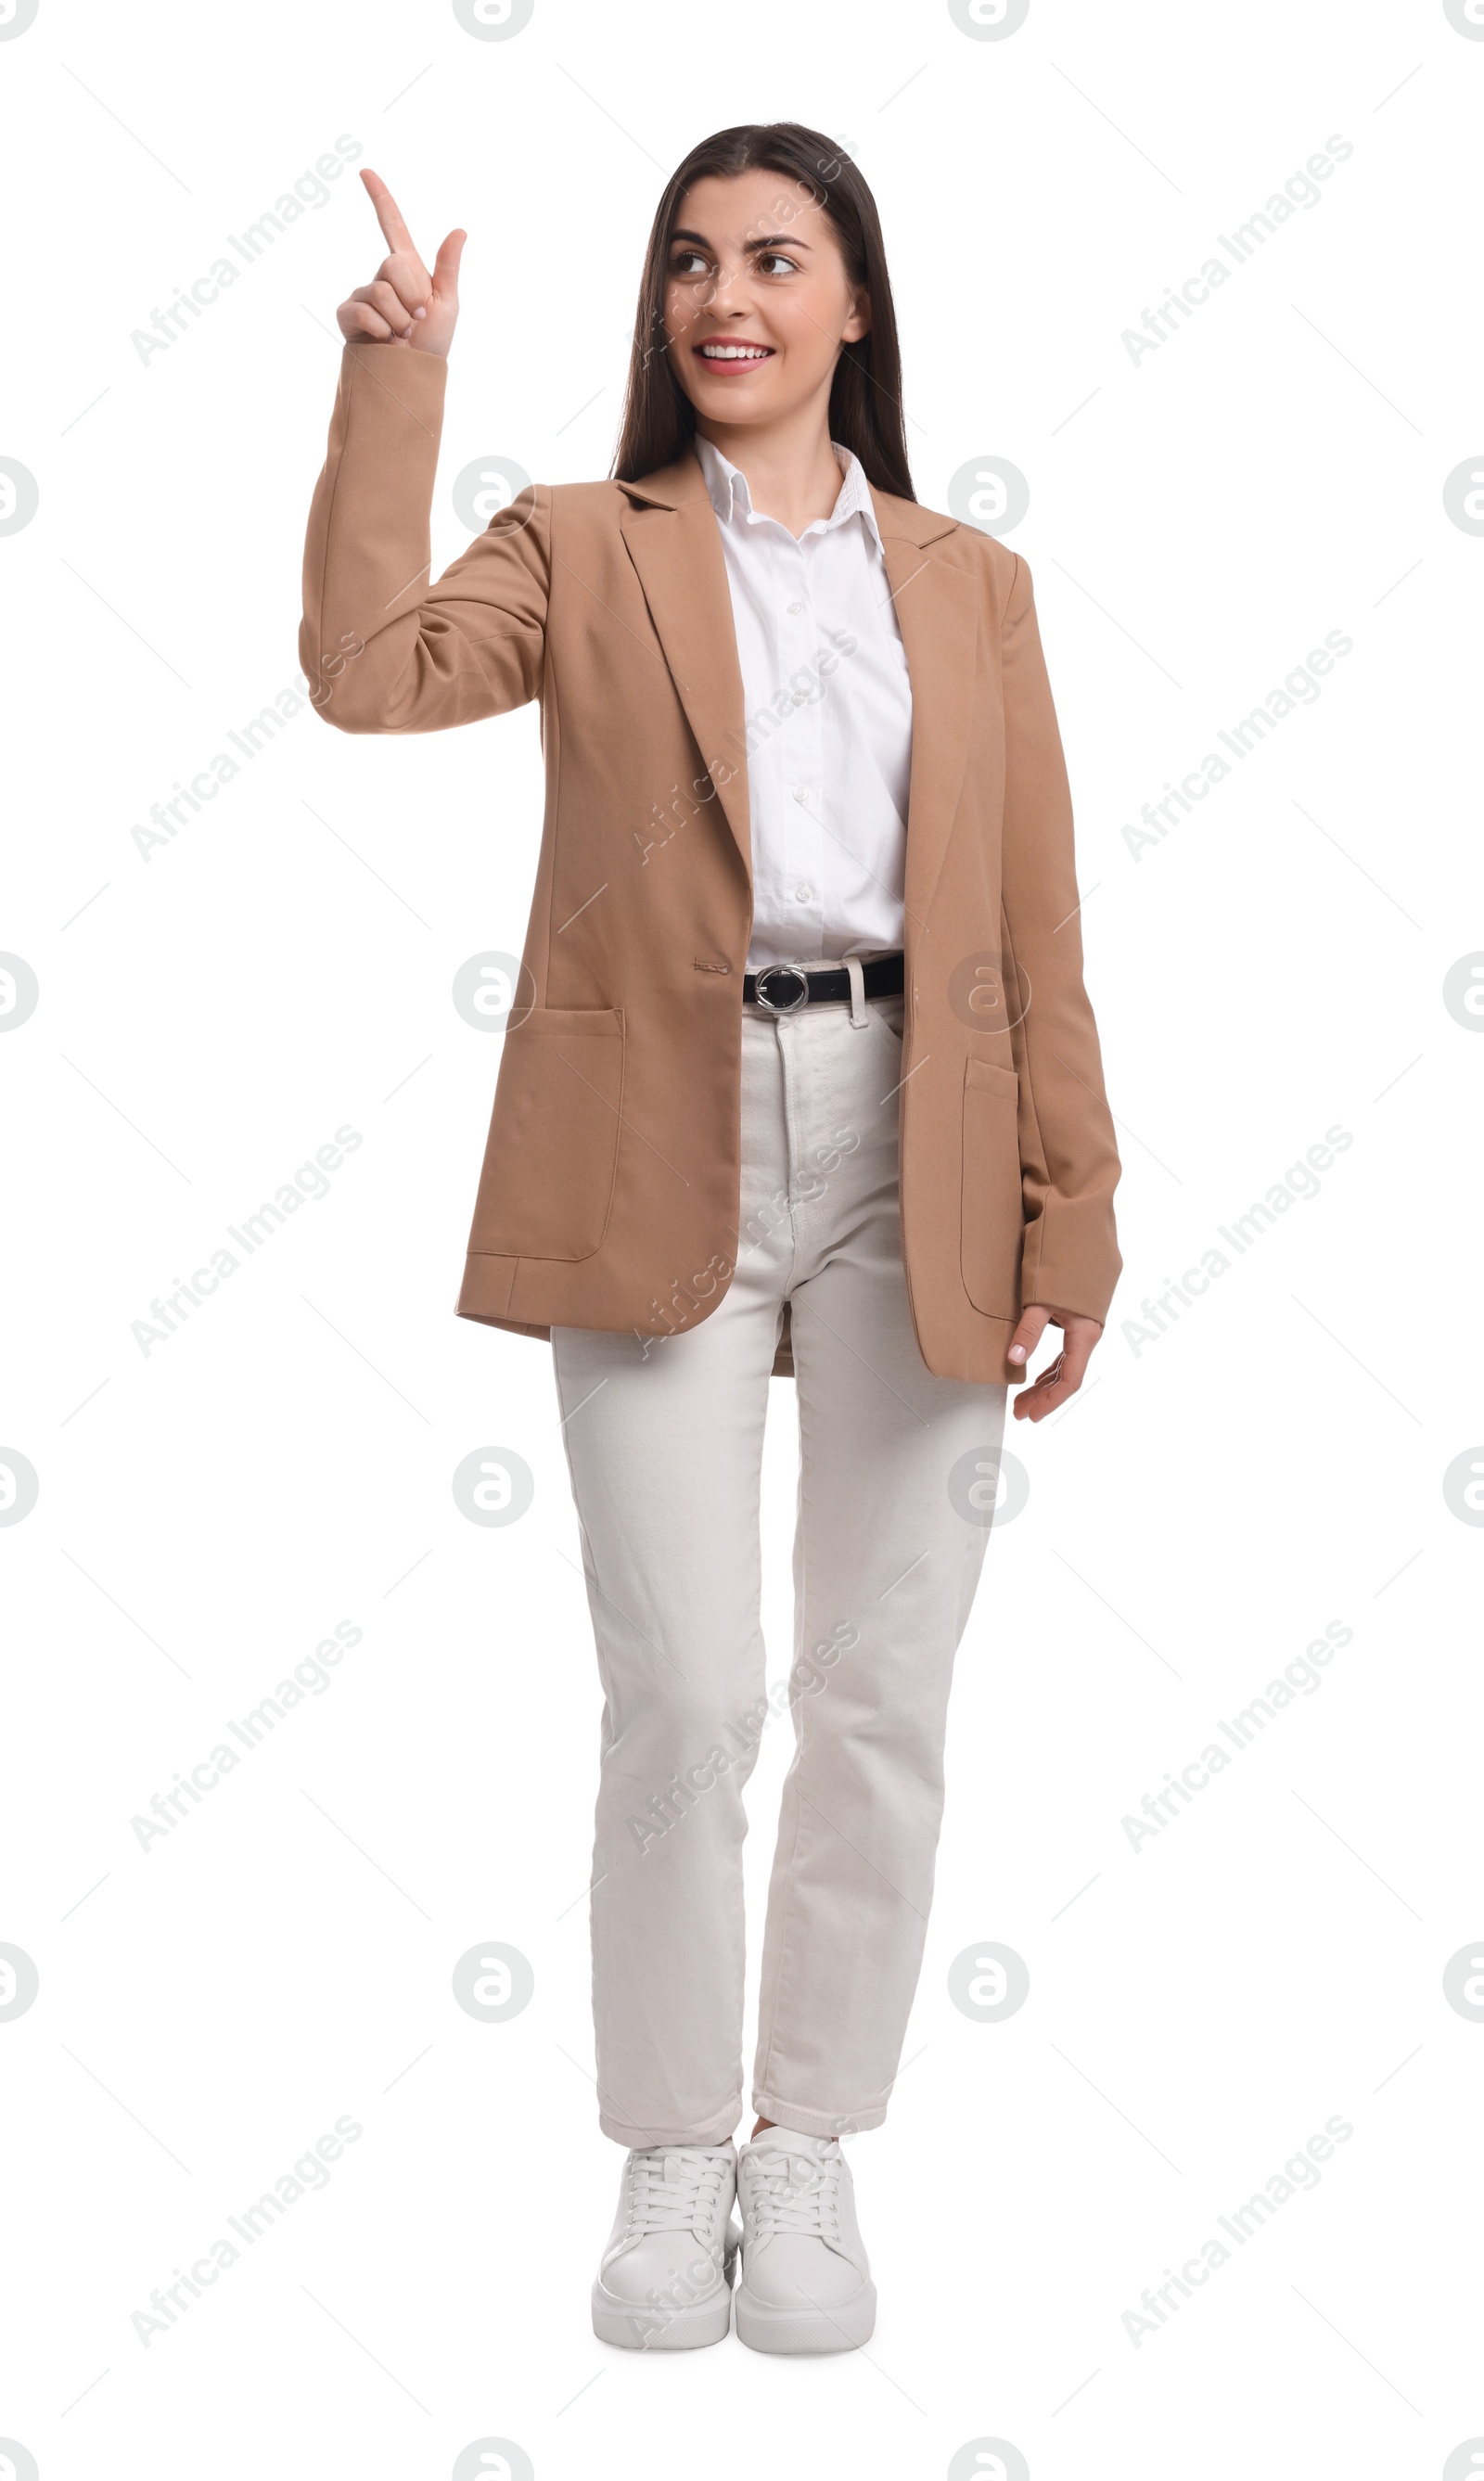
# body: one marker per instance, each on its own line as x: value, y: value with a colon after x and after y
x: 1062, y: 1377
x: 403, y: 305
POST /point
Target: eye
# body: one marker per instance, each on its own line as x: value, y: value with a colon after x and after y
x: 686, y: 261
x: 772, y: 260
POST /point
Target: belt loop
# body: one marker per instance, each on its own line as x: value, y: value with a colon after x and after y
x: 853, y: 966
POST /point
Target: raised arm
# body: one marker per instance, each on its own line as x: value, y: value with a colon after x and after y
x: 383, y: 649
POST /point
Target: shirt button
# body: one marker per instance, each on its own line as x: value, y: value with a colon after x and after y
x: 803, y: 895
x: 795, y: 606
x: 800, y: 796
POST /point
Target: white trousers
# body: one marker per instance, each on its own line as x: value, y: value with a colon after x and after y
x: 665, y: 1444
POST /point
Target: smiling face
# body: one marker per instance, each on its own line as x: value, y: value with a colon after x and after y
x: 758, y: 300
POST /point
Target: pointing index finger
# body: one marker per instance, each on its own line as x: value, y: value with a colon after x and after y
x: 389, y: 216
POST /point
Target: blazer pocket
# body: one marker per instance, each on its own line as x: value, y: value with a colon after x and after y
x: 547, y: 1186
x: 992, y: 1216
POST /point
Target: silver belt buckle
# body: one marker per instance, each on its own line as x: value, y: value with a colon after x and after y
x: 781, y: 1007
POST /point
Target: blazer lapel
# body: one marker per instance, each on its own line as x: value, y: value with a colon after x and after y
x: 936, y: 606
x: 673, y: 540
x: 674, y: 543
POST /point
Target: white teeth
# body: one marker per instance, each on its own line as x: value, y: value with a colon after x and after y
x: 734, y: 352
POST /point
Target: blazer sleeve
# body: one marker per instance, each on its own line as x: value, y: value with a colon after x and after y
x: 1069, y: 1158
x: 382, y: 648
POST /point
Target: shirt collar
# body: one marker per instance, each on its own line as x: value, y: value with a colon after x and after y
x: 727, y: 488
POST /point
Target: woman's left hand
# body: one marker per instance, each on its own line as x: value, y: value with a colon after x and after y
x: 1061, y: 1377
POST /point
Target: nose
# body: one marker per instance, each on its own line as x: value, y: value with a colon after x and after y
x: 730, y: 296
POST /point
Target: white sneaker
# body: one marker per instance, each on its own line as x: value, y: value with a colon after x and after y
x: 806, y: 2281
x: 665, y: 2283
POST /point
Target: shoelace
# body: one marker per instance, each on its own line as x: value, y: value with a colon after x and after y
x: 673, y: 2188
x: 803, y: 2195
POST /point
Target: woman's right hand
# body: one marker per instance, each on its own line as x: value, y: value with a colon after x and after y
x: 403, y: 304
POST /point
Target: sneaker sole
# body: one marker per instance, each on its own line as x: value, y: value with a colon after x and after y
x: 640, y: 2328
x: 636, y: 2326
x: 842, y: 2327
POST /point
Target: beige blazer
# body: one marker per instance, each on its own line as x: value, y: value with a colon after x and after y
x: 610, y: 1191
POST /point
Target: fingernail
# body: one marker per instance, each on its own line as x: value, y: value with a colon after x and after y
x: 1017, y: 1352
x: 419, y: 314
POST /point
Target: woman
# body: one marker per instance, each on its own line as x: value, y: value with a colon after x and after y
x: 802, y: 1078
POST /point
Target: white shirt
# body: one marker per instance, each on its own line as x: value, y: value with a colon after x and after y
x: 828, y: 720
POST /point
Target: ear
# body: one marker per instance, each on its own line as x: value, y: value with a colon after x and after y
x: 858, y: 323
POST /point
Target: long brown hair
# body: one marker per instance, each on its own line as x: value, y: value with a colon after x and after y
x: 865, y: 401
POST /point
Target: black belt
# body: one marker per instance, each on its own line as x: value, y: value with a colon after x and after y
x: 782, y: 988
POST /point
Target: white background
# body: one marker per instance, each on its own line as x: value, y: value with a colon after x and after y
x: 1273, y: 1462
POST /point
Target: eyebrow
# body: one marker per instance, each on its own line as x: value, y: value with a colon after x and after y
x: 768, y: 240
